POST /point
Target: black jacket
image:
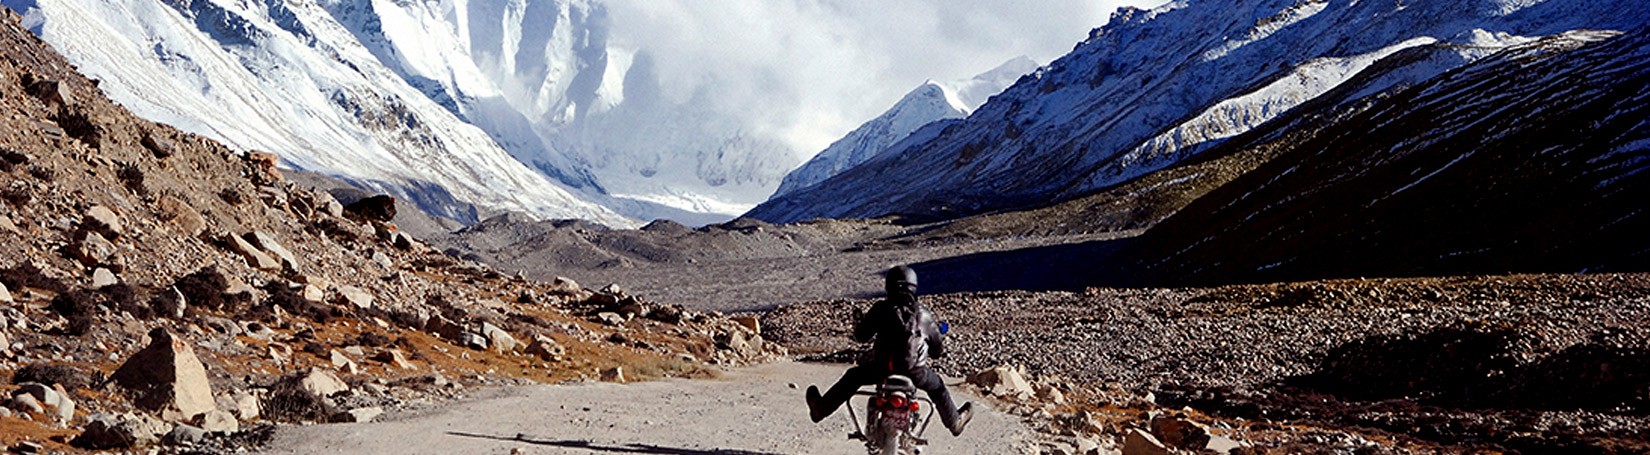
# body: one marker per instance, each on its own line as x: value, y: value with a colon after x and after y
x: 882, y: 326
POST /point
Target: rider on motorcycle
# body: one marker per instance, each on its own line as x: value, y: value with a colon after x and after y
x: 906, y: 336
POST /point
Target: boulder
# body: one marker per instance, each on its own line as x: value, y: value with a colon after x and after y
x: 750, y: 323
x: 1222, y: 445
x: 5, y: 296
x: 1138, y: 442
x: 1003, y: 382
x: 217, y: 421
x: 167, y: 378
x: 498, y: 339
x: 319, y: 382
x: 546, y: 349
x: 54, y: 401
x: 254, y: 256
x: 120, y: 431
x: 358, y: 415
x: 102, y: 278
x: 27, y: 404
x: 376, y: 208
x: 247, y: 406
x: 103, y: 221
x: 406, y: 242
x: 268, y: 244
x: 1050, y: 394
x: 443, y: 327
x: 564, y: 286
x: 1179, y: 432
x: 160, y: 146
x: 354, y: 296
x: 169, y: 303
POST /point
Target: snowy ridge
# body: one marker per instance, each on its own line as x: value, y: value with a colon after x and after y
x: 284, y: 77
x: 1153, y: 87
x: 928, y: 103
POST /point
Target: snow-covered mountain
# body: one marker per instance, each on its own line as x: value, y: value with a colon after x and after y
x: 284, y: 77
x: 507, y: 104
x: 1155, y: 87
x: 931, y: 102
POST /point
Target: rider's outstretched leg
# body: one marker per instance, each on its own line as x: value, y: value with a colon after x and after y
x: 856, y: 377
x: 953, y: 418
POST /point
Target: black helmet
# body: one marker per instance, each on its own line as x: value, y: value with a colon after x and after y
x: 901, y: 279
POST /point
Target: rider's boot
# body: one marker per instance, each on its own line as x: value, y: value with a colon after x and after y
x: 964, y: 414
x: 813, y: 405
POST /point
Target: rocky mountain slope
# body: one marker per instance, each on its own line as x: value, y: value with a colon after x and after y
x: 927, y: 104
x: 528, y: 106
x: 287, y: 78
x: 156, y: 285
x: 1530, y: 160
x: 1153, y: 88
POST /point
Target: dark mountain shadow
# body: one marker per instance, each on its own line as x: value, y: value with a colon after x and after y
x: 1066, y: 267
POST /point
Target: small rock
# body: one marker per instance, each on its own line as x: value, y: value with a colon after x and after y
x: 254, y: 256
x: 443, y: 327
x: 247, y: 407
x: 1050, y: 394
x: 473, y: 340
x: 182, y: 215
x: 102, y: 278
x: 161, y: 147
x: 546, y: 349
x: 358, y: 415
x: 267, y: 242
x: 93, y: 249
x: 1002, y: 381
x: 1138, y: 442
x: 120, y: 431
x: 375, y: 208
x: 498, y: 339
x: 610, y: 318
x: 615, y: 374
x: 1179, y: 432
x: 355, y: 351
x: 217, y: 422
x: 564, y: 286
x: 5, y: 295
x: 394, y: 357
x: 320, y: 382
x: 355, y: 296
x: 313, y: 293
x: 28, y: 448
x: 184, y: 435
x: 1222, y: 444
x: 103, y: 220
x: 343, y: 363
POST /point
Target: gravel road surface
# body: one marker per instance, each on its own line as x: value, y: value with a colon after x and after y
x: 746, y: 412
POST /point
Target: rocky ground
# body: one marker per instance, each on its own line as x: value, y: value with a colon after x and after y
x: 158, y: 289
x: 1531, y: 364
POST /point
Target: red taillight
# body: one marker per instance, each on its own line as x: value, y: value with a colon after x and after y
x: 914, y: 406
x: 878, y: 402
x: 896, y: 402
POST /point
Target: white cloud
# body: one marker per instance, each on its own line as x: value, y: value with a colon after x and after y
x: 807, y: 71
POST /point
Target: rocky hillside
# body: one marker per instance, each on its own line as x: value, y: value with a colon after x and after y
x: 1531, y: 160
x: 158, y: 285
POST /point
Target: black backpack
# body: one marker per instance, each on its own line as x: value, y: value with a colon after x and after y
x: 908, y: 348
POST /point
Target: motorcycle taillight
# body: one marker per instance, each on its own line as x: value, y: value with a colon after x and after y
x: 914, y: 406
x: 896, y: 403
x: 879, y: 402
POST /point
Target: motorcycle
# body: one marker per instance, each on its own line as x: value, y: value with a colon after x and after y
x: 892, y: 422
x: 893, y: 425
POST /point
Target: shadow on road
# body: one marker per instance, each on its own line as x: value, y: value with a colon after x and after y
x: 593, y: 447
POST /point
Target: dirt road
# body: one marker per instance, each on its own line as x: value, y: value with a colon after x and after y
x: 749, y: 411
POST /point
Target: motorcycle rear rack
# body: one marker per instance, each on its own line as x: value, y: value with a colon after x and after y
x: 859, y: 432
